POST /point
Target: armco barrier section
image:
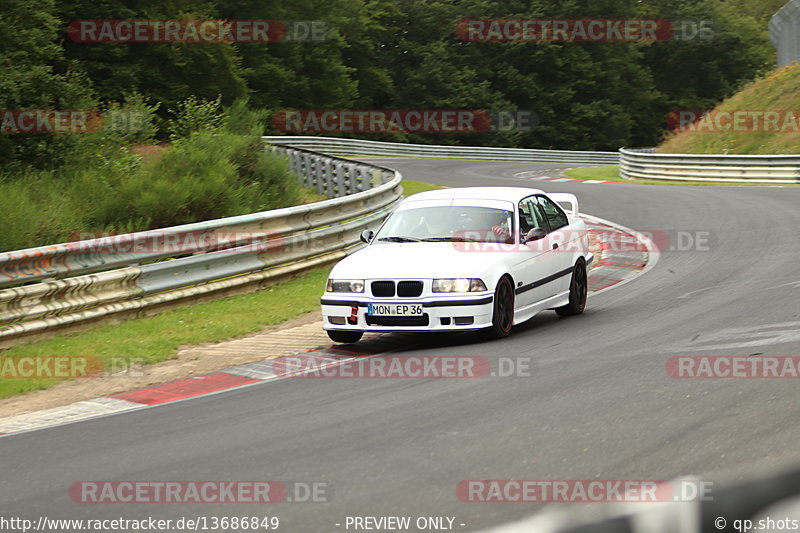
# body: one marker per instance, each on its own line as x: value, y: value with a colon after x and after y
x: 647, y: 165
x: 51, y: 287
x: 360, y: 148
x: 738, y: 507
x: 784, y: 32
x: 634, y: 163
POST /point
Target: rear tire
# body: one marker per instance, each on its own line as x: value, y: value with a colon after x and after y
x: 503, y: 315
x: 345, y: 337
x: 578, y: 290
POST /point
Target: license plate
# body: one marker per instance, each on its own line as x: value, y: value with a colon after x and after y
x: 394, y: 309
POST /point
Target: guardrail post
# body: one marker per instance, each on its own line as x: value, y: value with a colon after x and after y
x: 341, y: 182
x: 312, y: 179
x: 351, y: 184
x: 363, y: 179
x: 327, y: 177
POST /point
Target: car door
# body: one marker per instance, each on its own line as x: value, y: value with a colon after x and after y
x: 558, y: 241
x: 536, y: 259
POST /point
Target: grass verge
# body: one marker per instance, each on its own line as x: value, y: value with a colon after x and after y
x: 157, y: 338
x: 611, y: 173
x: 773, y: 132
x: 154, y: 339
x: 413, y: 187
x: 606, y: 172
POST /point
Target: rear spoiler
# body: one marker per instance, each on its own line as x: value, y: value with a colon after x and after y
x: 566, y: 198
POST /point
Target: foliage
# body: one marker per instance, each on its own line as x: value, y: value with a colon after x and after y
x: 193, y: 116
x: 36, y: 76
x: 778, y: 91
x: 385, y: 55
x: 214, y: 99
x: 105, y: 188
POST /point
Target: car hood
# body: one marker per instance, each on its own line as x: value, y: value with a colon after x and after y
x: 418, y: 260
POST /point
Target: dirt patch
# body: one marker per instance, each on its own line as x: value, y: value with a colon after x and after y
x: 150, y: 153
x: 297, y: 335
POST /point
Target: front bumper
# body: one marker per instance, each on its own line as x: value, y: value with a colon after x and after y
x: 460, y: 312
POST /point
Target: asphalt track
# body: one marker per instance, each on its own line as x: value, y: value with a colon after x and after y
x: 598, y: 406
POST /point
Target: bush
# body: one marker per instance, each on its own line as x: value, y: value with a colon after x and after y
x: 219, y: 169
x: 193, y: 116
x: 134, y: 122
x: 206, y: 176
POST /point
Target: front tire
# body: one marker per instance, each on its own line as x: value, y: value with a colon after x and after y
x: 345, y: 337
x: 578, y: 290
x: 503, y: 315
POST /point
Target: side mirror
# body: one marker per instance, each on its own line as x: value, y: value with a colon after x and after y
x: 367, y: 235
x: 534, y: 235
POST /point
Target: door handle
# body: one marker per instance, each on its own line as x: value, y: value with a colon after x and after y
x: 555, y: 245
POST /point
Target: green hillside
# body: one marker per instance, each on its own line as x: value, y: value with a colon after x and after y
x: 775, y: 131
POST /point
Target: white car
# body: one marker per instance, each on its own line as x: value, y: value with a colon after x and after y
x: 478, y: 258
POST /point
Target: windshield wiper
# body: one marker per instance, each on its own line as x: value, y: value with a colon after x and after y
x: 454, y: 238
x: 398, y: 239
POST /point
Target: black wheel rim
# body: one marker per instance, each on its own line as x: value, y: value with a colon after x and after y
x: 579, y: 286
x: 505, y: 306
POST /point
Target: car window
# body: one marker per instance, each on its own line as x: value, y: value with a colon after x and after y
x: 555, y: 215
x: 530, y: 216
x: 448, y: 223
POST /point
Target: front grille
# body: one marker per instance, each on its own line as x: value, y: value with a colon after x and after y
x: 409, y: 321
x: 383, y: 288
x: 409, y: 289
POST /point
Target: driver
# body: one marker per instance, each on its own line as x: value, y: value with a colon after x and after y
x: 500, y: 222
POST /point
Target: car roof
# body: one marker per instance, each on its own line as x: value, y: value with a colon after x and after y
x: 511, y: 194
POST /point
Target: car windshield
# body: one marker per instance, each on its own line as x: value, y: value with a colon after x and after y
x: 448, y: 224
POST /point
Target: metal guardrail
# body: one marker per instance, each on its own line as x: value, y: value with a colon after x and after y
x: 332, y: 176
x: 361, y: 148
x: 737, y: 507
x: 51, y: 287
x: 644, y: 164
x: 634, y: 164
x: 784, y: 32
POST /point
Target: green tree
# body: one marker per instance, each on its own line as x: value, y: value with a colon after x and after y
x: 697, y: 74
x: 35, y: 75
x: 164, y: 72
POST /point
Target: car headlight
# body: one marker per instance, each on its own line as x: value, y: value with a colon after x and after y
x: 345, y: 285
x: 458, y: 285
